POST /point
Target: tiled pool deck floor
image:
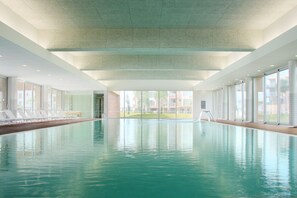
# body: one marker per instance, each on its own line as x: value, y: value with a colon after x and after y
x: 17, y: 127
x: 267, y: 127
x: 5, y: 129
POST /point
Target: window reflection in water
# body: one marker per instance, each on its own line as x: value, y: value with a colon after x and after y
x: 256, y: 154
x: 137, y: 135
x: 235, y: 155
x: 4, y: 150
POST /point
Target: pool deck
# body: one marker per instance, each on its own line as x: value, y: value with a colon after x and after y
x: 276, y: 128
x: 17, y: 127
x: 26, y: 126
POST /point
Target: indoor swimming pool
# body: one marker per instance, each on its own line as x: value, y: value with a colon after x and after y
x: 148, y: 158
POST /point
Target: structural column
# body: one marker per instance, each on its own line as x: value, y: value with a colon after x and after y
x: 12, y: 103
x: 293, y: 93
x: 44, y: 97
x: 249, y: 100
x: 225, y: 103
x: 232, y: 102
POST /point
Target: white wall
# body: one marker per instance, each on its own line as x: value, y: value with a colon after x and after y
x: 199, y: 96
x: 113, y: 105
x: 83, y: 102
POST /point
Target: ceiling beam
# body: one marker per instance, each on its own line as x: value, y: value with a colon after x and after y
x: 139, y: 40
x: 175, y: 50
x: 276, y: 52
x: 146, y: 69
x: 202, y: 61
x: 154, y: 75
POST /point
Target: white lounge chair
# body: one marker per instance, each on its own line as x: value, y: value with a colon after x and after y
x: 34, y: 116
x: 23, y: 115
x: 3, y: 119
x: 11, y: 117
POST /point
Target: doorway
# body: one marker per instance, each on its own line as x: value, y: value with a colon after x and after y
x: 98, y: 105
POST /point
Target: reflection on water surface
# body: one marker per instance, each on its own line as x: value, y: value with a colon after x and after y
x: 148, y: 158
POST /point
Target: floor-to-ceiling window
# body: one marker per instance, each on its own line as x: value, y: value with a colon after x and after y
x: 168, y: 104
x: 238, y: 99
x: 184, y: 104
x: 156, y: 104
x: 49, y: 98
x: 284, y: 96
x: 244, y: 116
x: 150, y: 104
x: 37, y: 97
x: 131, y: 104
x: 277, y: 97
x: 3, y: 93
x: 122, y: 104
x: 28, y: 96
x: 56, y: 100
x: 67, y: 101
x: 270, y: 82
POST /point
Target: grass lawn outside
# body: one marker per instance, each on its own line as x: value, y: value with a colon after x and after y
x: 155, y: 116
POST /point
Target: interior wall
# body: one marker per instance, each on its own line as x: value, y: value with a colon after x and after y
x: 12, y: 93
x: 199, y: 96
x: 113, y: 105
x: 82, y: 102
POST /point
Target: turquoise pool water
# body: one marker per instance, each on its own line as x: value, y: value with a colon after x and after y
x: 148, y: 158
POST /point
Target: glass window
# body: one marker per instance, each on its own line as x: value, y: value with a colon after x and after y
x: 122, y: 104
x: 215, y: 104
x: 167, y: 104
x: 284, y: 96
x: 29, y: 96
x: 54, y: 100
x: 271, y: 98
x: 184, y: 104
x: 239, y: 102
x: 20, y: 95
x: 59, y: 100
x: 243, y: 101
x: 132, y: 105
x: 67, y: 102
x: 150, y: 104
x: 156, y: 104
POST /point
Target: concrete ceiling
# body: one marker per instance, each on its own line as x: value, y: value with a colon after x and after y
x: 150, y: 41
x: 57, y: 14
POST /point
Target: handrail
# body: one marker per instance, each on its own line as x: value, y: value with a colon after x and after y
x: 209, y: 115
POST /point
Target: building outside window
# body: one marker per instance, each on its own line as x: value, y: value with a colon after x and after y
x: 271, y: 98
x: 277, y: 95
x: 284, y: 97
x: 156, y: 104
x: 28, y: 96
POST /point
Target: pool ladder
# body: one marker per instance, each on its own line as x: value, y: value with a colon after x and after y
x: 209, y: 115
